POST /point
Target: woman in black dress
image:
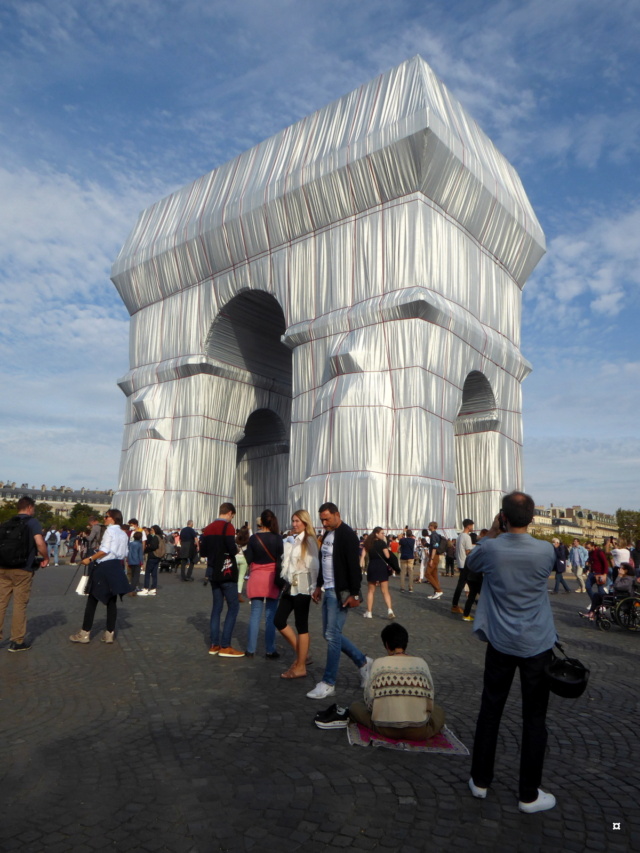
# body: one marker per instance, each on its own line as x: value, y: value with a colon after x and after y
x: 378, y: 570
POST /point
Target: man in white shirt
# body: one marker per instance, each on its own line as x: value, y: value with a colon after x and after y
x: 463, y: 549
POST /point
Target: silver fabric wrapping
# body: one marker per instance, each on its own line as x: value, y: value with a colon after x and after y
x: 333, y: 315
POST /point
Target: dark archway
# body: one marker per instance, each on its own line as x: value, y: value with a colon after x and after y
x: 262, y: 467
x: 246, y: 334
x: 476, y: 430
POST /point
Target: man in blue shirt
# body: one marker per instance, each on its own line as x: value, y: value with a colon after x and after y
x: 514, y: 618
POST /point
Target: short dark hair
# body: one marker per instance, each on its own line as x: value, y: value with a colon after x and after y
x: 25, y: 502
x: 133, y: 521
x: 137, y: 535
x: 226, y: 507
x: 467, y: 521
x: 519, y: 509
x: 116, y: 515
x: 329, y: 507
x: 394, y: 636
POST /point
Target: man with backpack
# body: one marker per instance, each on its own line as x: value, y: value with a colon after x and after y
x: 21, y: 540
x: 218, y: 545
x: 53, y: 544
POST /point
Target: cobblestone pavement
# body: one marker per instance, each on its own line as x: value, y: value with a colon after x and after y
x: 152, y: 744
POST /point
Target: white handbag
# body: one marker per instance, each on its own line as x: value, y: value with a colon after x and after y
x: 81, y: 589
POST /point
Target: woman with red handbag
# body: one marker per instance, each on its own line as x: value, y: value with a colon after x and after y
x: 264, y: 556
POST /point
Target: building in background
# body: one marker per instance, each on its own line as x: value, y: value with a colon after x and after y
x: 585, y: 524
x: 62, y: 499
x: 333, y: 315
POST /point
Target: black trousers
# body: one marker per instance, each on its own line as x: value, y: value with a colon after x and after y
x: 475, y: 585
x: 462, y: 580
x: 90, y: 612
x: 499, y: 670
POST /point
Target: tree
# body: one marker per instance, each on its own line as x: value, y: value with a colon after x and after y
x: 8, y: 510
x: 628, y: 521
x: 79, y: 516
x: 45, y: 514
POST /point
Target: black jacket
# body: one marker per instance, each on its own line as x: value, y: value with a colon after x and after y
x: 346, y: 561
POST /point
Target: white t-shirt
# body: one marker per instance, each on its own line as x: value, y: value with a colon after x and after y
x: 620, y: 556
x: 463, y: 544
x: 327, y: 561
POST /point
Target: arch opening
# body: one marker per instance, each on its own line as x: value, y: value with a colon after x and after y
x: 476, y: 431
x: 246, y: 335
x: 262, y: 467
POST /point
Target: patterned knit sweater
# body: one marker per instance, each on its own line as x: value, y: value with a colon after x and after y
x: 399, y: 691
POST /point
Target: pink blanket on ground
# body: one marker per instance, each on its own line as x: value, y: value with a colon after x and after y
x: 445, y: 742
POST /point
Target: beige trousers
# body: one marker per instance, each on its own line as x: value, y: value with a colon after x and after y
x: 16, y: 583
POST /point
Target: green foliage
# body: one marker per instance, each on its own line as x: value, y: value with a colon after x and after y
x: 45, y: 514
x: 628, y: 521
x: 8, y: 510
x: 79, y: 516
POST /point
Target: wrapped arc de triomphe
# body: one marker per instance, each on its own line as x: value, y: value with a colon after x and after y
x: 333, y: 315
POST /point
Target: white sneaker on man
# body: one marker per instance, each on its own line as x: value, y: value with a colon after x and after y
x: 321, y: 691
x: 436, y: 595
x: 365, y: 670
x: 480, y: 793
x: 540, y: 804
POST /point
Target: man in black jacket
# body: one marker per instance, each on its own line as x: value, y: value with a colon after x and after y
x: 340, y: 575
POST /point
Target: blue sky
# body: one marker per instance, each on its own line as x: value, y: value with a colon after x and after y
x: 105, y: 107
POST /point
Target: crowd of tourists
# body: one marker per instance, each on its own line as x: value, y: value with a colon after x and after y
x: 503, y: 570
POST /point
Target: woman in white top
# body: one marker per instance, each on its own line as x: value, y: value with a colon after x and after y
x: 300, y: 571
x: 107, y: 578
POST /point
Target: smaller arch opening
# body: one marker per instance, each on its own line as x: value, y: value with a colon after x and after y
x: 262, y: 466
x: 478, y: 411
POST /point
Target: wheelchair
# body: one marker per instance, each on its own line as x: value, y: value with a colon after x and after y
x: 621, y: 610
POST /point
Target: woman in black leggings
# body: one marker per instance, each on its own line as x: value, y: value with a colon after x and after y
x: 107, y: 578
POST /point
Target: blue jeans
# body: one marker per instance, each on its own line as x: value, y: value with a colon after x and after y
x: 151, y: 573
x: 333, y: 619
x: 560, y: 580
x: 223, y: 592
x: 257, y: 604
x: 52, y: 549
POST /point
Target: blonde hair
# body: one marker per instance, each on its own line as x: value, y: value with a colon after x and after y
x: 309, y: 531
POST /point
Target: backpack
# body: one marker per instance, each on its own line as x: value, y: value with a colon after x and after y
x: 15, y: 543
x: 52, y: 538
x: 161, y: 550
x: 441, y: 547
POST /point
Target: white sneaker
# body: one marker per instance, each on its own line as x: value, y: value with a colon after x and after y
x: 152, y: 592
x: 541, y: 804
x: 367, y: 614
x: 143, y: 592
x: 391, y: 614
x: 321, y: 691
x: 436, y: 595
x: 365, y: 670
x: 480, y: 793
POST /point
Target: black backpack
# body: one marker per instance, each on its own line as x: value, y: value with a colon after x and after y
x: 15, y: 543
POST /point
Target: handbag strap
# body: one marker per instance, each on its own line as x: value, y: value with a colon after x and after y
x: 271, y: 557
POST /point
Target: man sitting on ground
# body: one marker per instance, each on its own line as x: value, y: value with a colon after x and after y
x: 398, y: 695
